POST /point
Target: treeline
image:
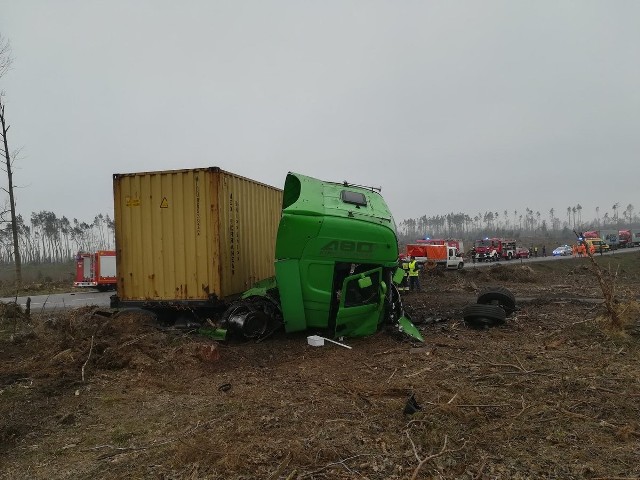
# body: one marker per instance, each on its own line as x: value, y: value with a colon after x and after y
x: 514, y: 224
x: 48, y: 238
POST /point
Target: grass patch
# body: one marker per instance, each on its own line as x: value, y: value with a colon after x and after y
x: 38, y: 279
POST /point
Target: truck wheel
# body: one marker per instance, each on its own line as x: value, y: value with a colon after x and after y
x: 460, y: 265
x: 477, y: 315
x: 499, y: 296
x: 249, y: 317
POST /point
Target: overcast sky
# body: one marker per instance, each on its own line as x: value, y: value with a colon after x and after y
x: 449, y: 106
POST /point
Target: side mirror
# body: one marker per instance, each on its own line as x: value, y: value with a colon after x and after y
x: 398, y: 275
x: 364, y: 282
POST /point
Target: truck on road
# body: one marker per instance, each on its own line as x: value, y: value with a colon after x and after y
x: 451, y: 242
x: 494, y: 249
x: 609, y: 237
x: 443, y: 256
x: 629, y: 238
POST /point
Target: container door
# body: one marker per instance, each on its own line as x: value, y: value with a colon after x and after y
x: 361, y: 302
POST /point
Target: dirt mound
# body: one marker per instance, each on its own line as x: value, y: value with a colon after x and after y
x: 89, y: 340
x: 504, y: 273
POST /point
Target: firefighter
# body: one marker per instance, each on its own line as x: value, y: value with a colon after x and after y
x: 404, y: 285
x: 414, y: 275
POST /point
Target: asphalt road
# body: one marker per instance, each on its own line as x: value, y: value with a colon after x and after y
x: 57, y: 301
x: 548, y: 258
x: 81, y: 298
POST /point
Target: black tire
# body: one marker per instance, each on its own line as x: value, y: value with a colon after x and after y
x: 245, y: 319
x: 499, y: 296
x: 251, y: 318
x: 478, y: 315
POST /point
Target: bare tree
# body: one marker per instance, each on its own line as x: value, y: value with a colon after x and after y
x: 5, y: 56
x: 5, y: 65
x: 628, y: 213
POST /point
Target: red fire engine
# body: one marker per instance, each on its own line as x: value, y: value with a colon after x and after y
x: 493, y: 249
x: 96, y: 270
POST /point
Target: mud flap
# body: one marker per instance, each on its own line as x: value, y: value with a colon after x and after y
x: 409, y: 328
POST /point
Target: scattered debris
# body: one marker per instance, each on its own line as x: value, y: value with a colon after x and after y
x: 411, y: 406
x: 318, y: 341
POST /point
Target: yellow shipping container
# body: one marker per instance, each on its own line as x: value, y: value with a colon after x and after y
x: 198, y: 235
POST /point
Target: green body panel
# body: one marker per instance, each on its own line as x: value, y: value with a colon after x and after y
x: 335, y: 263
x: 260, y: 289
x: 409, y: 328
x: 320, y: 233
x: 365, y: 312
x: 291, y: 301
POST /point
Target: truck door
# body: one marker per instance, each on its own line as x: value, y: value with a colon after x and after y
x: 361, y: 304
x: 452, y: 260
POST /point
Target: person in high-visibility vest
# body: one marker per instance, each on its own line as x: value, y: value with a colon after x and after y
x: 414, y: 275
x: 404, y: 285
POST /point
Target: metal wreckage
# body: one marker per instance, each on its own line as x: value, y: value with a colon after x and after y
x: 212, y: 247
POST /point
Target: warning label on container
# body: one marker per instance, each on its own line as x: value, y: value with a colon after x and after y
x: 164, y: 203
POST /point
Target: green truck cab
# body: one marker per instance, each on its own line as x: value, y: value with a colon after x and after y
x: 336, y: 265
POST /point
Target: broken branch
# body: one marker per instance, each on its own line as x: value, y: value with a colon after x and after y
x: 88, y: 357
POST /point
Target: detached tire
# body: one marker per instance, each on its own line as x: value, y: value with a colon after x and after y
x: 483, y: 315
x: 499, y: 296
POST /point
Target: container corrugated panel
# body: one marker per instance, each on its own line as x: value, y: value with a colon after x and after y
x: 190, y: 234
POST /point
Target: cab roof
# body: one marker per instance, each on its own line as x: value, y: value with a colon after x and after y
x: 309, y: 196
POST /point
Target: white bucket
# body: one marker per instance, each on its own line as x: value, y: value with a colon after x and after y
x: 318, y: 341
x: 315, y: 341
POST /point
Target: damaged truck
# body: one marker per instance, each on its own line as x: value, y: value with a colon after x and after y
x: 206, y: 245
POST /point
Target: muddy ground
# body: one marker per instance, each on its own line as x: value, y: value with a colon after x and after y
x: 552, y: 393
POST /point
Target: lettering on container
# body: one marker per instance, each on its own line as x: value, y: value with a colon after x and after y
x: 197, y: 206
x: 234, y: 232
x: 238, y: 230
